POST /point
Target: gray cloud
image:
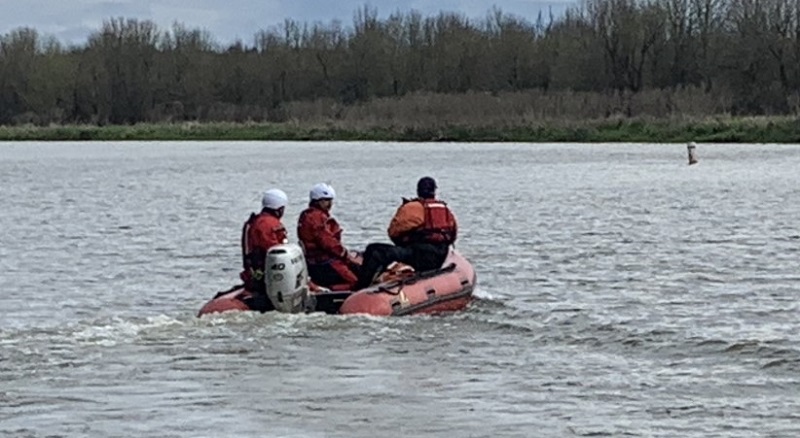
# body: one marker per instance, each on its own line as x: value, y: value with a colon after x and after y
x: 72, y: 21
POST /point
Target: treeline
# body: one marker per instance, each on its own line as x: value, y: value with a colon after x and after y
x: 739, y: 57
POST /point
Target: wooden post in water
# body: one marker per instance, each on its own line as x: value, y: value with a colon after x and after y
x: 692, y: 153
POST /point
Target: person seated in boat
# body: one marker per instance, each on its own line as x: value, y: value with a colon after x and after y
x: 261, y: 232
x: 422, y: 230
x: 329, y: 262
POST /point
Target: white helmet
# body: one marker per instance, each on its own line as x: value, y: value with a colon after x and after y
x: 321, y: 191
x: 274, y: 199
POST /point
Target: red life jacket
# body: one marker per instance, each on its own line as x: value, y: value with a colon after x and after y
x: 439, y: 227
x: 320, y: 235
x: 260, y: 233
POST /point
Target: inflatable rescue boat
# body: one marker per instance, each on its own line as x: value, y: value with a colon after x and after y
x: 398, y: 291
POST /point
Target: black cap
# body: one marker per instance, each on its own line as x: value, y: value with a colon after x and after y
x: 426, y: 187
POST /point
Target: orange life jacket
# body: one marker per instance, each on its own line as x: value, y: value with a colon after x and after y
x: 439, y: 226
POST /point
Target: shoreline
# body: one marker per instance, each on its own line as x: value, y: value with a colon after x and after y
x: 723, y: 129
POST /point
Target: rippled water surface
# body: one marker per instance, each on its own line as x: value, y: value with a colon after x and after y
x: 622, y: 293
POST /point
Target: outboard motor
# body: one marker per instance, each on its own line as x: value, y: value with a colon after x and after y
x: 286, y: 275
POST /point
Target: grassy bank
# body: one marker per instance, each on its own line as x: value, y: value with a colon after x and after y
x: 709, y: 130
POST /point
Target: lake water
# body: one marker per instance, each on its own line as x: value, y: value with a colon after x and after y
x: 622, y: 293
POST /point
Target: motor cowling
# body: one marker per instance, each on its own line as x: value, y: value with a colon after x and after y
x: 286, y: 278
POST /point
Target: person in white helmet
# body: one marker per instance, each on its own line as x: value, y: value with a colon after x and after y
x: 260, y: 233
x: 329, y: 262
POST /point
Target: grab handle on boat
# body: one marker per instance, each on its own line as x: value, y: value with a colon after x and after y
x: 386, y: 290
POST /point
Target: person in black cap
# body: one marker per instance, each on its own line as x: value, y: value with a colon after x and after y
x: 422, y: 230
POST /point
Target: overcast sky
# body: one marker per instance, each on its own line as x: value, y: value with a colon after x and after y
x: 71, y: 21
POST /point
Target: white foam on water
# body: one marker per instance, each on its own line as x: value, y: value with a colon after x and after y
x: 120, y: 330
x: 483, y: 295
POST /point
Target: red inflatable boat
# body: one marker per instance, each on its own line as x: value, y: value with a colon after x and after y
x: 447, y: 289
x: 399, y: 291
